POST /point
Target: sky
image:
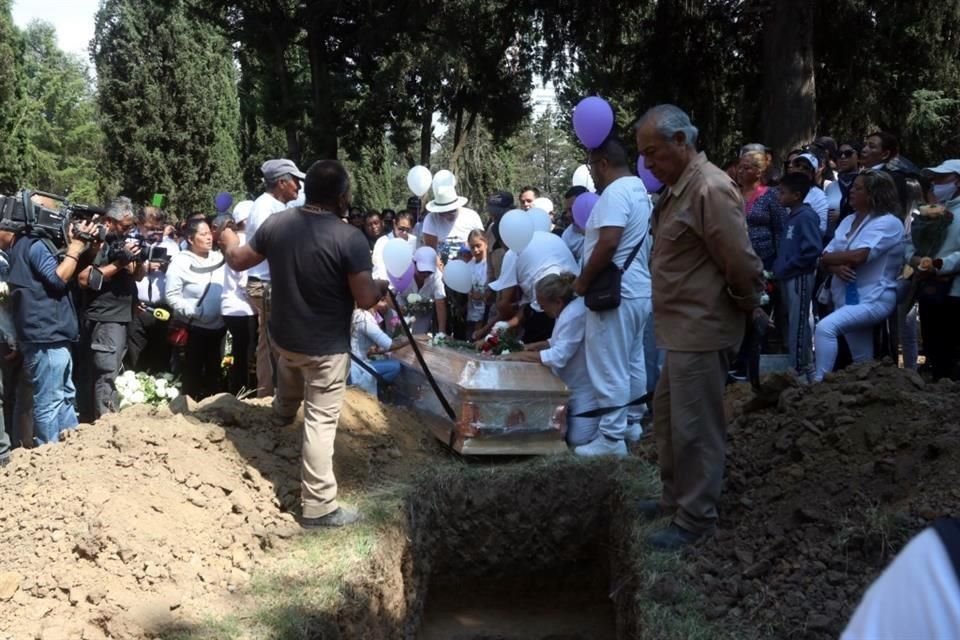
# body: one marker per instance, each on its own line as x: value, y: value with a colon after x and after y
x: 73, y: 20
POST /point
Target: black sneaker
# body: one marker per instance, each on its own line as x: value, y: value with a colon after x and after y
x: 672, y: 538
x: 339, y: 518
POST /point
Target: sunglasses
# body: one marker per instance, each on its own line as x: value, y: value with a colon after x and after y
x: 402, y: 229
x: 847, y: 153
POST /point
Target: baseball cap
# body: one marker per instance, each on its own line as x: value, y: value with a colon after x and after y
x: 242, y: 210
x: 425, y: 259
x: 273, y: 169
x: 499, y: 203
x: 812, y: 159
x: 948, y: 166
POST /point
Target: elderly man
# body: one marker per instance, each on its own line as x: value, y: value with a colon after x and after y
x: 282, y: 179
x: 617, y: 233
x: 706, y: 278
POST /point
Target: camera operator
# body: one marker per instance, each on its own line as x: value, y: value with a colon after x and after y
x: 110, y: 285
x: 45, y: 319
x: 147, y: 346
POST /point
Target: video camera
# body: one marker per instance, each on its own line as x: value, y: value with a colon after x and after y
x: 121, y: 250
x: 48, y: 219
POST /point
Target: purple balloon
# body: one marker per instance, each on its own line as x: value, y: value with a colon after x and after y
x: 649, y: 180
x: 582, y: 207
x: 592, y: 121
x: 223, y: 201
x: 403, y: 282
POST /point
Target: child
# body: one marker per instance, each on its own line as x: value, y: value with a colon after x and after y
x: 795, y: 267
x: 366, y: 339
x: 477, y: 306
x: 427, y: 284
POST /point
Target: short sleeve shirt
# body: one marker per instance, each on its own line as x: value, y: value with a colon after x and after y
x: 263, y: 207
x: 625, y: 203
x: 455, y: 232
x: 310, y: 257
x: 545, y: 255
x: 817, y: 200
x: 883, y: 236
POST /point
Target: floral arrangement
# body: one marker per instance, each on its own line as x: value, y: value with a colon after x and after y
x: 140, y: 388
x: 929, y: 230
x: 416, y: 306
x: 499, y: 341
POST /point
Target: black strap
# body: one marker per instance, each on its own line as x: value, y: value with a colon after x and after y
x: 596, y: 413
x: 426, y: 370
x: 366, y: 367
x: 949, y: 531
x: 208, y: 269
x: 633, y: 254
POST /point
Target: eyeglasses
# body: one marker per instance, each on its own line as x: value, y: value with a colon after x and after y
x: 847, y: 153
x: 401, y: 229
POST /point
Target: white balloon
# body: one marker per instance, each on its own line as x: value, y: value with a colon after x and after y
x: 834, y: 195
x: 541, y: 219
x: 397, y: 256
x: 444, y: 178
x: 457, y: 276
x: 516, y: 229
x: 418, y: 179
x: 582, y: 178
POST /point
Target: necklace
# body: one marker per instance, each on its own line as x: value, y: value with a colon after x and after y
x: 309, y: 208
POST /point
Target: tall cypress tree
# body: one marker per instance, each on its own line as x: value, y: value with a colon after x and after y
x: 13, y: 120
x: 168, y: 98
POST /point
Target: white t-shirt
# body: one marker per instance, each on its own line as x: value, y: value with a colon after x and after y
x: 574, y: 240
x: 432, y: 289
x: 916, y: 597
x: 365, y: 332
x: 478, y: 281
x: 567, y: 357
x: 883, y: 235
x: 379, y: 269
x: 150, y: 290
x: 455, y: 232
x: 817, y: 200
x: 625, y: 203
x: 263, y: 207
x: 234, y: 301
x: 546, y: 254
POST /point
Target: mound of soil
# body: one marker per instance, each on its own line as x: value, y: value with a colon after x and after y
x: 825, y: 484
x: 139, y: 520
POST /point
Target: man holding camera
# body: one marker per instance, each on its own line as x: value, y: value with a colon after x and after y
x: 46, y: 324
x: 110, y: 285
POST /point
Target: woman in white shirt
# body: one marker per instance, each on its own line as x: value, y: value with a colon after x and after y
x: 564, y: 352
x: 402, y: 228
x: 865, y: 257
x: 367, y: 339
x: 240, y: 317
x: 194, y: 287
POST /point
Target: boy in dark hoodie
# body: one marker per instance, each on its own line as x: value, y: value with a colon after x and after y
x: 795, y: 268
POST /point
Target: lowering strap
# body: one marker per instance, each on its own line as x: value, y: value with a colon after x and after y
x: 366, y: 367
x: 426, y: 371
x: 602, y: 411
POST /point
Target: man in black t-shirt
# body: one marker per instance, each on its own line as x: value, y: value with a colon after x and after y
x: 110, y: 294
x: 320, y: 270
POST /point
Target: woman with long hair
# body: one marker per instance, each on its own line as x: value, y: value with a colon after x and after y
x: 864, y: 259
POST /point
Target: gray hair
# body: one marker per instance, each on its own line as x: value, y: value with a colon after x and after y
x: 273, y: 183
x: 120, y: 208
x: 670, y: 120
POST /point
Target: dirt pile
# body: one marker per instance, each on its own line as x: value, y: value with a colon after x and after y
x: 140, y: 520
x: 825, y: 483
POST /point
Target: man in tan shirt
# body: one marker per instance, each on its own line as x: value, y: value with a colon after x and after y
x: 706, y: 279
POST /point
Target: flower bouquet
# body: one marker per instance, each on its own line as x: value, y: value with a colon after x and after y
x: 140, y: 388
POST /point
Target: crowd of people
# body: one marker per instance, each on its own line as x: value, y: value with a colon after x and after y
x: 643, y: 310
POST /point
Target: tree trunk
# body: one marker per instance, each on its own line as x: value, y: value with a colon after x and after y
x: 462, y: 142
x: 426, y: 133
x: 789, y: 107
x: 325, y: 123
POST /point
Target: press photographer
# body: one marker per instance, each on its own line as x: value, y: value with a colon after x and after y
x: 42, y: 304
x: 147, y: 346
x: 109, y: 285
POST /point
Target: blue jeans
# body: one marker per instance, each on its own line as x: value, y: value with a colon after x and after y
x: 49, y: 368
x: 389, y: 369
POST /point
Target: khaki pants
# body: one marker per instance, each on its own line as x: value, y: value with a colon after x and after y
x: 320, y: 382
x: 691, y: 428
x: 256, y: 291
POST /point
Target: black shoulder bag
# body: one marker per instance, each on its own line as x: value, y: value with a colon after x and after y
x: 605, y: 290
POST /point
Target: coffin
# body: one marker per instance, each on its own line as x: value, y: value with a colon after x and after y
x: 502, y: 408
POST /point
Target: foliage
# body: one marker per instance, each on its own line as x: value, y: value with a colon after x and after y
x: 141, y: 388
x: 169, y: 102
x: 65, y: 140
x: 12, y: 104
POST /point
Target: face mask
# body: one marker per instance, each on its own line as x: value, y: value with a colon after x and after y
x: 943, y: 192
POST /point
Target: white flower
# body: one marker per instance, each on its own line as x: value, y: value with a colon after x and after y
x: 172, y: 393
x: 505, y: 352
x: 410, y: 319
x: 138, y: 397
x: 160, y: 385
x: 4, y: 289
x: 129, y: 374
x: 168, y: 377
x: 413, y: 298
x: 499, y: 328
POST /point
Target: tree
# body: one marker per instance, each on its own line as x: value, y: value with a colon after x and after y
x: 65, y: 141
x: 168, y: 98
x: 13, y: 121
